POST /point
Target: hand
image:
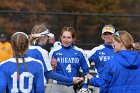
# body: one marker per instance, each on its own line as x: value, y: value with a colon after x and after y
x: 77, y: 79
x: 54, y: 63
x: 89, y: 76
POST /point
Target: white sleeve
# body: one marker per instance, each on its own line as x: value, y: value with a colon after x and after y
x: 46, y: 59
x: 91, y: 52
x: 84, y: 53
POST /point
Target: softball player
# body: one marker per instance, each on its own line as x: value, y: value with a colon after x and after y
x: 103, y: 53
x: 39, y: 36
x: 69, y: 60
x: 21, y: 74
x: 122, y: 72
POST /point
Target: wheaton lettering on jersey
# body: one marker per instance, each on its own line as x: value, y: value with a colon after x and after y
x: 68, y: 60
x: 105, y: 58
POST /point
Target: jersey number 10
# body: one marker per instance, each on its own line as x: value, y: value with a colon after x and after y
x: 15, y: 89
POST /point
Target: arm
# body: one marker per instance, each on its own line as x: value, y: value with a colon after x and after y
x: 39, y: 82
x: 52, y: 58
x: 98, y: 82
x: 85, y: 54
x: 53, y: 75
x: 93, y: 54
x: 84, y: 65
x: 104, y: 79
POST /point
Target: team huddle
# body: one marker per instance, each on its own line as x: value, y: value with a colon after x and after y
x: 117, y: 62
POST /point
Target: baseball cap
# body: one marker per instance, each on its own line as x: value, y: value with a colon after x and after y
x: 3, y: 37
x: 108, y: 28
x: 44, y: 33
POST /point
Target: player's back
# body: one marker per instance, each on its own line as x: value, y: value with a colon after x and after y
x: 31, y: 79
x: 41, y: 54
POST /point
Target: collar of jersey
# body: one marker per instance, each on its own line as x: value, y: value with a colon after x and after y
x: 71, y: 46
x: 108, y: 45
x: 38, y: 45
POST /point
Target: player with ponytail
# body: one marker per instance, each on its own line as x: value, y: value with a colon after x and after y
x: 21, y: 74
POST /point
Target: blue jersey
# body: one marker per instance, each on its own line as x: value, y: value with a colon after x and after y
x: 100, y: 55
x: 69, y: 61
x: 27, y: 81
x: 121, y: 73
x: 2, y: 82
x: 41, y: 54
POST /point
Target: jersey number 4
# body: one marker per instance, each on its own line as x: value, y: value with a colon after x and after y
x: 68, y: 68
x: 15, y: 89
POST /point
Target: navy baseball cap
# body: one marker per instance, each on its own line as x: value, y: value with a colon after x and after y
x: 3, y: 37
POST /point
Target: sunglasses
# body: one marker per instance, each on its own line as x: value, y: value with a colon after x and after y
x: 117, y: 34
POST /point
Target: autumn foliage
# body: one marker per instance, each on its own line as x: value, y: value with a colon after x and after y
x: 86, y: 26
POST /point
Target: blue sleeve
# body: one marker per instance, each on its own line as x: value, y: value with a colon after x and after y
x: 93, y: 57
x: 39, y: 82
x: 40, y: 57
x: 104, y: 79
x: 34, y: 53
x: 84, y: 65
x: 84, y: 86
x: 53, y: 75
x: 54, y: 54
x: 98, y: 82
x: 3, y: 82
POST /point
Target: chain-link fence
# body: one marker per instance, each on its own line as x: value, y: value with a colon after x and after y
x: 87, y: 26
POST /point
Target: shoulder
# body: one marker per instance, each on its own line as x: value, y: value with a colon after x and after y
x: 100, y: 47
x: 8, y: 61
x: 35, y: 47
x: 5, y: 44
x: 38, y: 48
x: 30, y: 59
x: 27, y: 60
x: 34, y: 63
x: 7, y: 64
x: 95, y: 49
x: 8, y: 43
x: 31, y: 62
x: 55, y: 49
x: 78, y: 49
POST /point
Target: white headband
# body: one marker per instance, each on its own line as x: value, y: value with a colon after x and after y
x: 46, y: 32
